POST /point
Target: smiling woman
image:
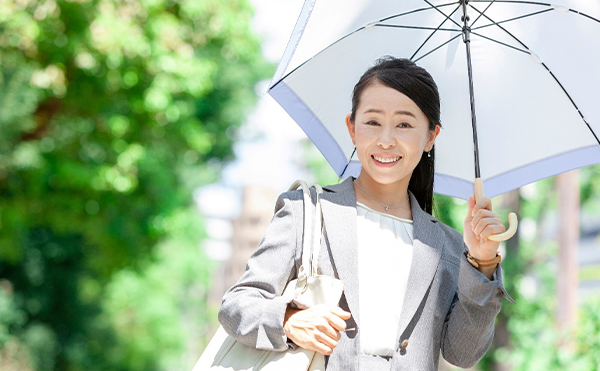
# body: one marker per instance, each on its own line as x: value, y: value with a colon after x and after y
x: 392, y: 136
x: 401, y: 94
x: 414, y: 287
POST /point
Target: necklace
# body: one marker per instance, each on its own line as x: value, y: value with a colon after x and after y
x: 379, y: 202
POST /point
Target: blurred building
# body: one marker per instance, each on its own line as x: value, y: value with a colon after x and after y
x: 256, y: 212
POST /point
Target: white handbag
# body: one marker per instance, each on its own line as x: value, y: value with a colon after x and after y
x: 310, y: 288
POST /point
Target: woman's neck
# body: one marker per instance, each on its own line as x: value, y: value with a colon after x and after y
x: 380, y: 196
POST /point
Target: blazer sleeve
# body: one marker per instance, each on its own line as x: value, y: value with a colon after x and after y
x: 469, y: 327
x: 252, y: 310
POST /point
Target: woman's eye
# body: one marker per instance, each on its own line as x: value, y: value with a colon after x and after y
x: 404, y: 125
x: 372, y: 123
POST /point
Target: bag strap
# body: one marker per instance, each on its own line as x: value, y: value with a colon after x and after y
x: 318, y: 231
x: 310, y: 246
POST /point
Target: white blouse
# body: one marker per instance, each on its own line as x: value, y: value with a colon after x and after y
x: 384, y: 260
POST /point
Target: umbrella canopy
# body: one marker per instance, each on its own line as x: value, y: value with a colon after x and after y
x: 535, y: 75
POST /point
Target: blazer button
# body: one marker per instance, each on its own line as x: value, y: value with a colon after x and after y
x: 404, y: 344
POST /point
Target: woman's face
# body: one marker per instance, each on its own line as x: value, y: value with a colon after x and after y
x: 390, y: 133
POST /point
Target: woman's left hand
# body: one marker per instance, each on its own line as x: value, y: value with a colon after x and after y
x: 480, y: 223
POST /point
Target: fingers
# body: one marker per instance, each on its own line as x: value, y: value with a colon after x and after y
x: 470, y: 209
x: 492, y: 230
x: 317, y: 328
x: 327, y: 328
x: 486, y: 226
x: 340, y: 313
x: 481, y: 215
x: 321, y: 348
x: 336, y: 322
x: 483, y: 204
x: 326, y: 337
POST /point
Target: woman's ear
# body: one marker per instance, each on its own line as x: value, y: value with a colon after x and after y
x: 350, y: 126
x: 433, y: 135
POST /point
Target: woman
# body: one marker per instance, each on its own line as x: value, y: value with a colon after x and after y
x: 409, y: 289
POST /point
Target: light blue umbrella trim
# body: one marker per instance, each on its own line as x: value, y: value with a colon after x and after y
x: 312, y: 126
x: 303, y: 18
x: 451, y: 186
x: 455, y: 187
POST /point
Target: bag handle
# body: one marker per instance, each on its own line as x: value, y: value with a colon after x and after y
x: 318, y: 231
x: 307, y: 249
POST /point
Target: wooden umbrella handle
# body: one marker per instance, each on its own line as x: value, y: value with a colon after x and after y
x: 512, y: 217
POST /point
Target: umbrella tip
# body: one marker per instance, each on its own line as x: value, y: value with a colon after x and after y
x: 369, y: 26
x: 560, y: 9
x: 535, y: 58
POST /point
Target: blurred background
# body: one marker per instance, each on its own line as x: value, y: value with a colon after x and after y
x: 140, y: 160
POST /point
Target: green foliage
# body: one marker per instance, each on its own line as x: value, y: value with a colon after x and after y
x: 106, y: 104
x: 537, y: 345
x: 450, y: 211
x: 317, y: 165
x: 157, y: 307
x: 10, y: 315
x: 111, y: 113
x: 588, y: 335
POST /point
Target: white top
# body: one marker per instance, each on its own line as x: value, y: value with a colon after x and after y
x: 384, y: 260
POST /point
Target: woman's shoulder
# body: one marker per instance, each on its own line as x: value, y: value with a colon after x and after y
x: 293, y: 199
x: 296, y: 195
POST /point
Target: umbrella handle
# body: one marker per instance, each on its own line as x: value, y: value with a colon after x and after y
x: 512, y: 217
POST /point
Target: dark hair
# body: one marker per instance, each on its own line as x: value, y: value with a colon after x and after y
x: 416, y: 83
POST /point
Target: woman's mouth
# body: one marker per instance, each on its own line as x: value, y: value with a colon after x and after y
x: 386, y: 160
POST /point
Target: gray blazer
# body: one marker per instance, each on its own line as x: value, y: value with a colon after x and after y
x: 449, y: 305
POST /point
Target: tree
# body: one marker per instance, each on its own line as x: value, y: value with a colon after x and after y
x: 111, y: 112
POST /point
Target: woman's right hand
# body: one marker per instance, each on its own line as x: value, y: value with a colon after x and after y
x: 317, y: 328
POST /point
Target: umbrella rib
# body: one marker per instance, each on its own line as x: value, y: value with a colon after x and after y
x: 551, y: 74
x: 433, y: 50
x: 512, y: 19
x: 501, y: 43
x: 433, y: 33
x: 510, y: 1
x: 412, y: 12
x: 417, y: 27
x: 362, y: 28
x: 585, y: 15
x: 444, y: 14
x: 348, y: 163
x: 484, y: 10
x: 535, y: 3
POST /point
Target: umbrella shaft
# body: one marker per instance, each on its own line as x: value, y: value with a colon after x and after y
x: 467, y: 40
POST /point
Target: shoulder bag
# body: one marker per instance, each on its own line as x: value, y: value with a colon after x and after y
x: 225, y: 353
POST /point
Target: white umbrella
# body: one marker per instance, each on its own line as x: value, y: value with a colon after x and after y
x: 534, y: 69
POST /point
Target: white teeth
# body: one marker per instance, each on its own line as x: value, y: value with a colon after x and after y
x: 386, y: 160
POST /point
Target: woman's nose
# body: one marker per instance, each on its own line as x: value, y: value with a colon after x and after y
x: 386, y: 140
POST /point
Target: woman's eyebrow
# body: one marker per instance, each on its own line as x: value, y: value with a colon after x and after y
x: 402, y: 113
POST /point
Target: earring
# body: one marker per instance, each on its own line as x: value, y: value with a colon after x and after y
x: 429, y: 154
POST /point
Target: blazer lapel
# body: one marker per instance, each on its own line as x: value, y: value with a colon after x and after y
x: 428, y: 244
x: 339, y: 219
